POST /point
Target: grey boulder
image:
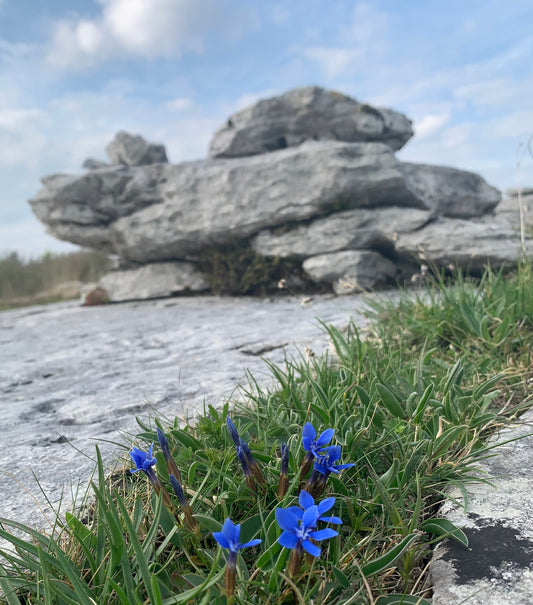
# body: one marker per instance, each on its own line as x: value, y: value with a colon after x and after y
x: 155, y: 280
x: 450, y: 192
x: 375, y: 228
x: 350, y: 270
x: 133, y: 150
x: 303, y: 114
x: 93, y: 164
x: 468, y: 244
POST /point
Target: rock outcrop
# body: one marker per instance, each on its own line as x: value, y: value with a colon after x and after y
x: 305, y: 114
x: 308, y: 178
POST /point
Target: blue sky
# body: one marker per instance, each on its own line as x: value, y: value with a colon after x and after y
x: 74, y: 72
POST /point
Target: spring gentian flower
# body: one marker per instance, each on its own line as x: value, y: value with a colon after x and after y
x: 248, y: 462
x: 185, y: 506
x: 229, y: 538
x: 323, y: 467
x: 299, y: 525
x: 172, y: 467
x: 314, y: 447
x: 144, y: 461
x: 233, y: 432
x: 283, y: 482
x: 326, y: 464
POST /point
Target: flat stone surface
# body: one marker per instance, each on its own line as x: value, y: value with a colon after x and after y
x: 72, y: 376
x: 497, y: 568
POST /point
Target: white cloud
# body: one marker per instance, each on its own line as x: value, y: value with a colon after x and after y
x: 146, y: 28
x: 14, y: 119
x: 180, y: 104
x: 333, y: 61
x: 430, y: 124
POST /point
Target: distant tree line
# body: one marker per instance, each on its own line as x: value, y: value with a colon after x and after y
x: 20, y: 278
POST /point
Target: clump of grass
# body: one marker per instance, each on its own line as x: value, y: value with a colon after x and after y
x: 412, y: 404
x: 234, y: 268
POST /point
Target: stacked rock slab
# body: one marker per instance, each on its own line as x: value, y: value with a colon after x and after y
x: 309, y: 176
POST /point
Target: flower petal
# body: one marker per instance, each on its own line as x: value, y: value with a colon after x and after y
x: 334, y: 520
x: 325, y: 505
x: 310, y: 517
x: 288, y: 539
x: 325, y: 437
x: 334, y: 454
x: 221, y: 539
x: 341, y: 467
x: 312, y: 549
x: 287, y: 520
x: 323, y: 534
x: 308, y: 435
x: 229, y: 530
x: 250, y: 543
x: 296, y: 511
x: 306, y: 500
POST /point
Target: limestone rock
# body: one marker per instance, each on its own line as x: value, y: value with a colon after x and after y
x: 350, y: 270
x: 303, y: 114
x: 469, y: 244
x: 92, y: 164
x: 375, y: 228
x: 450, y: 192
x: 508, y: 210
x: 164, y: 211
x: 155, y: 280
x: 133, y: 150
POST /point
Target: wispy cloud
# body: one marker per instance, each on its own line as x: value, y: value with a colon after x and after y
x: 146, y: 28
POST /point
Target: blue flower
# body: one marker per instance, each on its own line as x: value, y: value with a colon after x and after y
x: 326, y: 464
x: 172, y: 467
x: 249, y: 464
x: 233, y: 432
x: 299, y: 523
x: 312, y: 445
x: 142, y: 460
x: 229, y: 537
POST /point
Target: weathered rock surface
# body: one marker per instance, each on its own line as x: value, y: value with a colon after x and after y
x: 351, y: 270
x: 508, y: 210
x: 497, y: 567
x: 72, y: 377
x: 466, y: 244
x: 155, y: 280
x: 93, y: 164
x: 450, y: 192
x: 133, y: 150
x: 304, y: 114
x: 376, y: 228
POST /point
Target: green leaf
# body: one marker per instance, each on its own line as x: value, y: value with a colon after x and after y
x: 388, y: 559
x: 390, y: 401
x: 445, y: 528
x: 401, y: 600
x: 340, y: 577
x: 208, y: 523
x: 187, y: 440
x: 7, y: 588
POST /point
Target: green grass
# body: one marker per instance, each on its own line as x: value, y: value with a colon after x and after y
x: 412, y: 400
x: 36, y: 281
